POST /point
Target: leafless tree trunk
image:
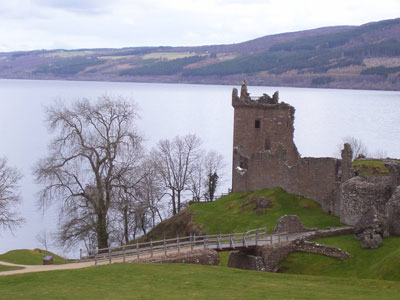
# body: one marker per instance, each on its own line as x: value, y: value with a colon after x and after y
x: 9, y: 196
x: 95, y: 146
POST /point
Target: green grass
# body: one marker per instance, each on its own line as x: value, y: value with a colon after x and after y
x: 8, y: 268
x: 30, y: 257
x: 179, y: 281
x: 370, y: 168
x: 228, y: 214
x: 380, y: 263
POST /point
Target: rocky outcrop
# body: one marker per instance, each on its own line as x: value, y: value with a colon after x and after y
x: 392, y: 212
x: 370, y: 239
x: 358, y: 194
x: 371, y: 228
x: 290, y: 224
x: 373, y: 221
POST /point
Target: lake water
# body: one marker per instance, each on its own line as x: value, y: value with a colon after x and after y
x: 323, y: 117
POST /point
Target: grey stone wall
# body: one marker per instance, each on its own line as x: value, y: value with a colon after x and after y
x: 199, y: 257
x: 358, y: 194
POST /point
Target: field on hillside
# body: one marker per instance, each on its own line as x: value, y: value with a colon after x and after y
x: 178, y: 281
x: 236, y: 212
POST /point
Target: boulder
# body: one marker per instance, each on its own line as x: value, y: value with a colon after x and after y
x: 369, y: 239
x: 373, y: 221
x: 262, y: 202
x: 392, y: 212
x: 358, y: 194
x: 290, y: 224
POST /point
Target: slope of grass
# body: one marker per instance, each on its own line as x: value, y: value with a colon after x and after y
x: 230, y: 213
x: 370, y: 168
x: 30, y: 257
x: 8, y: 268
x: 178, y: 281
x: 380, y: 263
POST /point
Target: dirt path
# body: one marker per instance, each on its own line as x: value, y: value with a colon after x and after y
x: 41, y: 268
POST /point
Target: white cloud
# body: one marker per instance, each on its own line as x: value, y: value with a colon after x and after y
x: 37, y: 24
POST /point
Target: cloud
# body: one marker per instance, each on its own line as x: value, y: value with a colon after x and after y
x: 76, y: 6
x: 37, y: 24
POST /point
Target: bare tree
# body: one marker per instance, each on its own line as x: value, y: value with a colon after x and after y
x: 214, y: 165
x: 9, y: 196
x: 175, y: 160
x: 95, y: 146
x: 206, y: 175
x: 43, y: 239
x: 152, y: 192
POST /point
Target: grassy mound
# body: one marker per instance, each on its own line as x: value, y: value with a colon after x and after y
x: 236, y: 212
x: 179, y: 281
x: 30, y: 257
x: 370, y: 168
x: 380, y: 263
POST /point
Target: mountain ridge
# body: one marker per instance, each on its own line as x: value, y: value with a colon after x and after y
x: 358, y: 57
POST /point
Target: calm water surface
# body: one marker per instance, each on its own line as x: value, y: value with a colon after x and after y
x: 323, y: 117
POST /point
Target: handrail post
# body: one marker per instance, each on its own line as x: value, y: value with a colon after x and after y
x: 204, y: 242
x: 266, y: 229
x: 256, y: 236
x: 287, y: 236
x: 123, y: 253
x: 232, y: 241
x: 109, y: 254
x: 96, y: 251
x: 219, y: 241
x: 80, y: 254
x: 279, y: 238
x: 137, y: 251
x: 270, y: 239
x: 151, y: 248
x: 191, y: 242
x: 165, y: 247
x: 177, y: 243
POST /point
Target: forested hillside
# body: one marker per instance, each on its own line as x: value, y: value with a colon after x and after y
x: 365, y: 57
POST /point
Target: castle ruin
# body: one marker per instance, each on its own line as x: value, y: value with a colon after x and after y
x: 265, y: 156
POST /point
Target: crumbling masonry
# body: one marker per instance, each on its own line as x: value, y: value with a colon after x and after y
x: 265, y: 156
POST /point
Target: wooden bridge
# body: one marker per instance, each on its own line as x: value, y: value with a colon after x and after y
x: 155, y: 250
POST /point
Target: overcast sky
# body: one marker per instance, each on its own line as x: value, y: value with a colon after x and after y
x: 69, y: 24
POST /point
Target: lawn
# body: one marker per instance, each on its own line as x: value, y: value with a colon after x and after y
x: 30, y: 257
x: 380, y: 263
x: 179, y: 281
x: 230, y: 213
x: 8, y: 268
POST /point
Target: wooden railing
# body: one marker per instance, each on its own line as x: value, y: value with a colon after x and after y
x: 155, y: 249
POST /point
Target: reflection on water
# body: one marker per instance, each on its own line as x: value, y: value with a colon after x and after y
x: 323, y: 117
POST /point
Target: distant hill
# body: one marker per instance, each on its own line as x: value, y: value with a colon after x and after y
x: 360, y: 57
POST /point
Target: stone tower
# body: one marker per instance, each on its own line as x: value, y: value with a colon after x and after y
x: 263, y: 126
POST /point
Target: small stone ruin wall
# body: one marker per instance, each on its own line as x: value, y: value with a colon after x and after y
x: 267, y: 257
x: 206, y: 257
